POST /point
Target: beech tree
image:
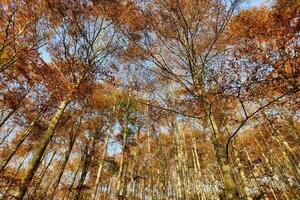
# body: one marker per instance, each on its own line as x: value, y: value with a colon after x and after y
x: 157, y: 99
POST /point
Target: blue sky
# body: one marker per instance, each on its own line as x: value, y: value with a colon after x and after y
x: 252, y: 3
x: 248, y: 3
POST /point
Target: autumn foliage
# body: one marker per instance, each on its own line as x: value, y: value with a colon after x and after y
x: 155, y: 99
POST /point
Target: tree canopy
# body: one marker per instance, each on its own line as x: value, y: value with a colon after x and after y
x: 152, y: 99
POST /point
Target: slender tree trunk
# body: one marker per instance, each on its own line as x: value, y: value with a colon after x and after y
x: 15, y: 147
x: 7, y: 135
x: 40, y: 149
x: 13, y: 110
x: 148, y: 162
x: 120, y: 179
x: 281, y: 141
x: 65, y: 161
x: 242, y: 177
x: 268, y: 166
x: 62, y: 168
x: 83, y: 173
x: 8, y: 116
x: 38, y: 185
x: 179, y: 175
x: 4, y: 197
x: 73, y: 182
x: 121, y: 174
x: 135, y: 169
x: 288, y: 154
x: 294, y: 131
x: 88, y: 157
x: 183, y: 158
x: 197, y: 169
x: 99, y: 173
x: 109, y: 189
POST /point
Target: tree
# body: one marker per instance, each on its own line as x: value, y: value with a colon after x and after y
x: 160, y: 99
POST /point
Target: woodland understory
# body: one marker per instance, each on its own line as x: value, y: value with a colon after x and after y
x: 149, y: 100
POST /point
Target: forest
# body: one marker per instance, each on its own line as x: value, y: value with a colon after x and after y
x: 149, y: 100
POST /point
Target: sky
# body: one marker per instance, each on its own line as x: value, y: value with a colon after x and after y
x: 247, y: 4
x: 257, y: 3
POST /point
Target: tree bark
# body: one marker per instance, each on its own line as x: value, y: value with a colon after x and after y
x: 62, y: 168
x: 99, y: 173
x: 38, y: 185
x: 230, y: 186
x: 40, y: 149
x: 87, y: 160
x: 73, y: 181
x: 5, y: 195
x: 19, y: 142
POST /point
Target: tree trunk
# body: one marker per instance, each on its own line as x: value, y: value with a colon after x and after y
x: 85, y: 167
x: 38, y: 185
x: 120, y: 180
x: 230, y: 186
x: 5, y: 195
x: 62, y: 168
x: 197, y: 169
x: 73, y: 181
x: 40, y: 149
x: 7, y: 135
x: 19, y: 142
x: 8, y: 116
x: 121, y: 176
x: 179, y: 162
x: 99, y: 173
x: 13, y: 110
